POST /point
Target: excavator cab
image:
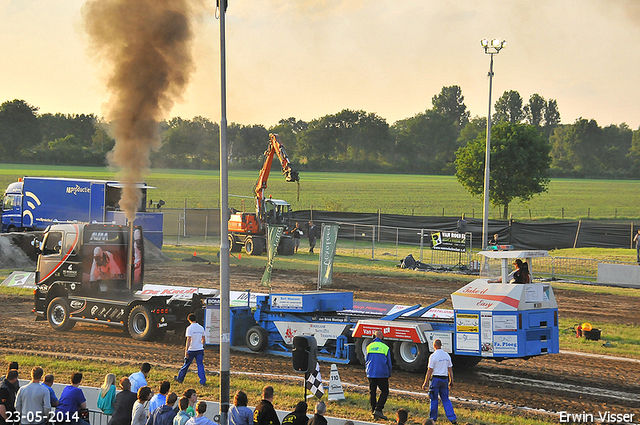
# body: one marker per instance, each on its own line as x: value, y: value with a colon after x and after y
x: 277, y: 211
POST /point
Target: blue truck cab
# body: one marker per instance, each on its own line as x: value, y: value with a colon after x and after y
x: 33, y: 203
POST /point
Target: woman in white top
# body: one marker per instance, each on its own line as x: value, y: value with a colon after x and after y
x: 140, y: 412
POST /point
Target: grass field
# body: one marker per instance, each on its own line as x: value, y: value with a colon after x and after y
x: 391, y: 193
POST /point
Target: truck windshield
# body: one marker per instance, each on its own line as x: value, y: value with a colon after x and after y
x: 7, y: 203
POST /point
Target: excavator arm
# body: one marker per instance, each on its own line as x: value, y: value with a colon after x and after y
x: 275, y: 148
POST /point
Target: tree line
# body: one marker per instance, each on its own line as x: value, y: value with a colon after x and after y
x: 355, y: 140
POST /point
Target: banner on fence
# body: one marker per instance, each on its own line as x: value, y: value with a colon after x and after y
x: 448, y: 241
x: 328, y: 242
x: 273, y: 240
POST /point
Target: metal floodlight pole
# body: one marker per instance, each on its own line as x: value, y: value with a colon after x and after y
x: 491, y: 48
x: 225, y: 311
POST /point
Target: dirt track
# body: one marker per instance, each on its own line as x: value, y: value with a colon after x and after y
x: 489, y: 381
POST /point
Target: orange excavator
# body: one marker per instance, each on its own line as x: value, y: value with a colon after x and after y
x: 249, y: 229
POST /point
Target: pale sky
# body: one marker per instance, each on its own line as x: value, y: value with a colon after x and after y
x: 306, y: 59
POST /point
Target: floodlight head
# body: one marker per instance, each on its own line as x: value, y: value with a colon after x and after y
x: 484, y: 43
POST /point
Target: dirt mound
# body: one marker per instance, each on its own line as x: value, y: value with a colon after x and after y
x: 152, y: 253
x: 12, y: 255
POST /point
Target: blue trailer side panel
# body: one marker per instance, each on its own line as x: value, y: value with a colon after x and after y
x: 47, y: 201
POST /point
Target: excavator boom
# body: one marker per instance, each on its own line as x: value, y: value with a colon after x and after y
x: 275, y: 148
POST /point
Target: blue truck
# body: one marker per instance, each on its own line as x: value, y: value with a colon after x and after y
x: 33, y: 203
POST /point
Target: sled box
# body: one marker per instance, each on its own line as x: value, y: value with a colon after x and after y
x: 312, y: 301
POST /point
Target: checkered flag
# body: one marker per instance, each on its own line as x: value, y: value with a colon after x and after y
x: 313, y: 382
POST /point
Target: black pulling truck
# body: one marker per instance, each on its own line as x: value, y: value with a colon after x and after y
x: 84, y: 275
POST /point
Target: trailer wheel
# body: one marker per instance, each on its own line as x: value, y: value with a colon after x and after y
x: 287, y: 246
x: 58, y: 315
x: 257, y: 338
x: 361, y: 348
x: 464, y: 362
x: 254, y: 246
x: 141, y: 325
x: 411, y: 357
x: 234, y: 245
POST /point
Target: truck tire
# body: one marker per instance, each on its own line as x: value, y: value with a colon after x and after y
x: 411, y: 357
x: 465, y: 362
x: 141, y: 324
x: 254, y: 246
x: 257, y: 338
x: 286, y: 247
x: 234, y: 245
x: 58, y: 315
x: 361, y: 348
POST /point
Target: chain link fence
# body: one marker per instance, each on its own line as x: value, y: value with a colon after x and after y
x: 189, y: 226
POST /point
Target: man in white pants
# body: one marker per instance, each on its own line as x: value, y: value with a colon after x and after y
x: 193, y: 350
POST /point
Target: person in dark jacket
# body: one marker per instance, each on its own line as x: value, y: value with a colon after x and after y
x: 298, y: 416
x: 8, y: 391
x: 318, y: 417
x: 124, y: 404
x: 164, y: 414
x: 265, y: 413
x: 378, y: 367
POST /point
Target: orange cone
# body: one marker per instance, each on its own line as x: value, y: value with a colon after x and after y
x: 195, y: 254
x: 239, y: 256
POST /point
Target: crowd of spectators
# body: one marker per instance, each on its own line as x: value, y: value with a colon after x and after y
x: 37, y: 403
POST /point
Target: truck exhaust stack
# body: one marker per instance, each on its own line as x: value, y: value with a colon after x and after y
x: 130, y: 258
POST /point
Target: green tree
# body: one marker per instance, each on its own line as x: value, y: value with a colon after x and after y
x: 509, y: 108
x: 288, y: 130
x: 357, y: 138
x: 19, y: 129
x: 519, y: 164
x: 450, y: 103
x: 534, y: 110
x: 189, y: 144
x: 634, y: 154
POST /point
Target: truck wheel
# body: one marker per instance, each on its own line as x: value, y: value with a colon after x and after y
x: 234, y: 245
x: 58, y: 315
x: 141, y: 325
x: 254, y: 246
x: 361, y: 348
x: 465, y: 362
x: 411, y: 357
x: 257, y: 338
x: 286, y: 247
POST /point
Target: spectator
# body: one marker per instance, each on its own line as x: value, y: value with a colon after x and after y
x: 182, y: 417
x: 194, y: 349
x: 313, y: 234
x: 295, y: 234
x: 72, y: 400
x: 164, y: 414
x: 160, y: 398
x: 8, y: 396
x: 298, y: 416
x: 14, y: 366
x: 139, y: 379
x: 200, y: 419
x: 348, y: 423
x: 33, y: 401
x: 191, y: 395
x: 428, y: 421
x: 240, y: 414
x: 107, y: 396
x: 140, y: 412
x: 123, y: 407
x: 48, y: 383
x: 265, y: 413
x: 401, y: 417
x: 318, y: 417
